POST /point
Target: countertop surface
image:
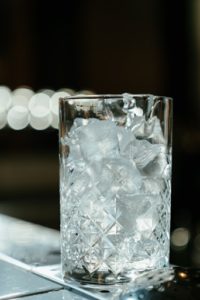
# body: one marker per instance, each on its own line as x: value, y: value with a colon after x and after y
x: 30, y: 270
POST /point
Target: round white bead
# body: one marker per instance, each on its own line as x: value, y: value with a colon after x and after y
x: 3, y: 119
x: 18, y: 117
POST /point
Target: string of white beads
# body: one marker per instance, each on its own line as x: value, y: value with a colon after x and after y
x: 23, y: 107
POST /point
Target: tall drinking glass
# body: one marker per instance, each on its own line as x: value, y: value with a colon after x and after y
x: 115, y: 185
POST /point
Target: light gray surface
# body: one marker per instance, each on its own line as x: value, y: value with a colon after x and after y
x: 15, y: 281
x: 29, y: 243
x: 57, y: 295
x: 30, y: 248
x: 34, y: 280
x: 90, y: 292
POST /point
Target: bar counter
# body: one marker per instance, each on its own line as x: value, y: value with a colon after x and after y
x: 30, y: 270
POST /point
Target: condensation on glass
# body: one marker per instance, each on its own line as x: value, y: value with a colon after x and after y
x: 115, y: 185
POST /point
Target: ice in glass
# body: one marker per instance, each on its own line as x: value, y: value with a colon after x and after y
x: 115, y: 185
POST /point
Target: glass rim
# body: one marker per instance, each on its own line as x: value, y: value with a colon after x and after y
x: 113, y: 96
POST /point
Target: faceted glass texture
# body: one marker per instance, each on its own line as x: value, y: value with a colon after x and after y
x: 115, y: 185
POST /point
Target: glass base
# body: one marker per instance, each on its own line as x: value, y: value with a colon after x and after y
x: 107, y: 278
x: 96, y: 278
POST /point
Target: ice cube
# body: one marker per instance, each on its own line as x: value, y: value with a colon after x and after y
x: 147, y: 218
x: 137, y: 125
x: 78, y: 183
x: 98, y: 139
x: 73, y: 135
x: 138, y: 111
x: 89, y: 202
x: 153, y: 131
x: 137, y: 213
x: 129, y: 102
x: 102, y: 177
x: 141, y: 151
x: 150, y: 129
x: 158, y: 167
x: 75, y: 159
x: 91, y: 207
x: 152, y: 186
x: 144, y: 152
x: 125, y: 175
x: 147, y: 222
x: 128, y: 206
x: 78, y: 122
x: 126, y: 141
x: 74, y: 151
x: 135, y: 117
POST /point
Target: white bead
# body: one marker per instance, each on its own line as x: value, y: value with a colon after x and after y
x: 39, y: 100
x: 24, y: 91
x: 47, y: 92
x: 40, y: 118
x: 20, y: 100
x: 18, y: 117
x: 67, y: 90
x: 5, y: 97
x: 21, y: 96
x: 39, y: 107
x: 3, y: 119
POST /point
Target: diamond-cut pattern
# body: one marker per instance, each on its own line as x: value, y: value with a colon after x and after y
x: 99, y: 241
x: 122, y: 222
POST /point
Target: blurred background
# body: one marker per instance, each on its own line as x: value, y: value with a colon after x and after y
x: 105, y: 47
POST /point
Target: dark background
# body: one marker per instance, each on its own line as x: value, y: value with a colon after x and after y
x: 107, y: 47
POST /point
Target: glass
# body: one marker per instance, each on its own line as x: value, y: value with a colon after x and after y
x: 115, y: 186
